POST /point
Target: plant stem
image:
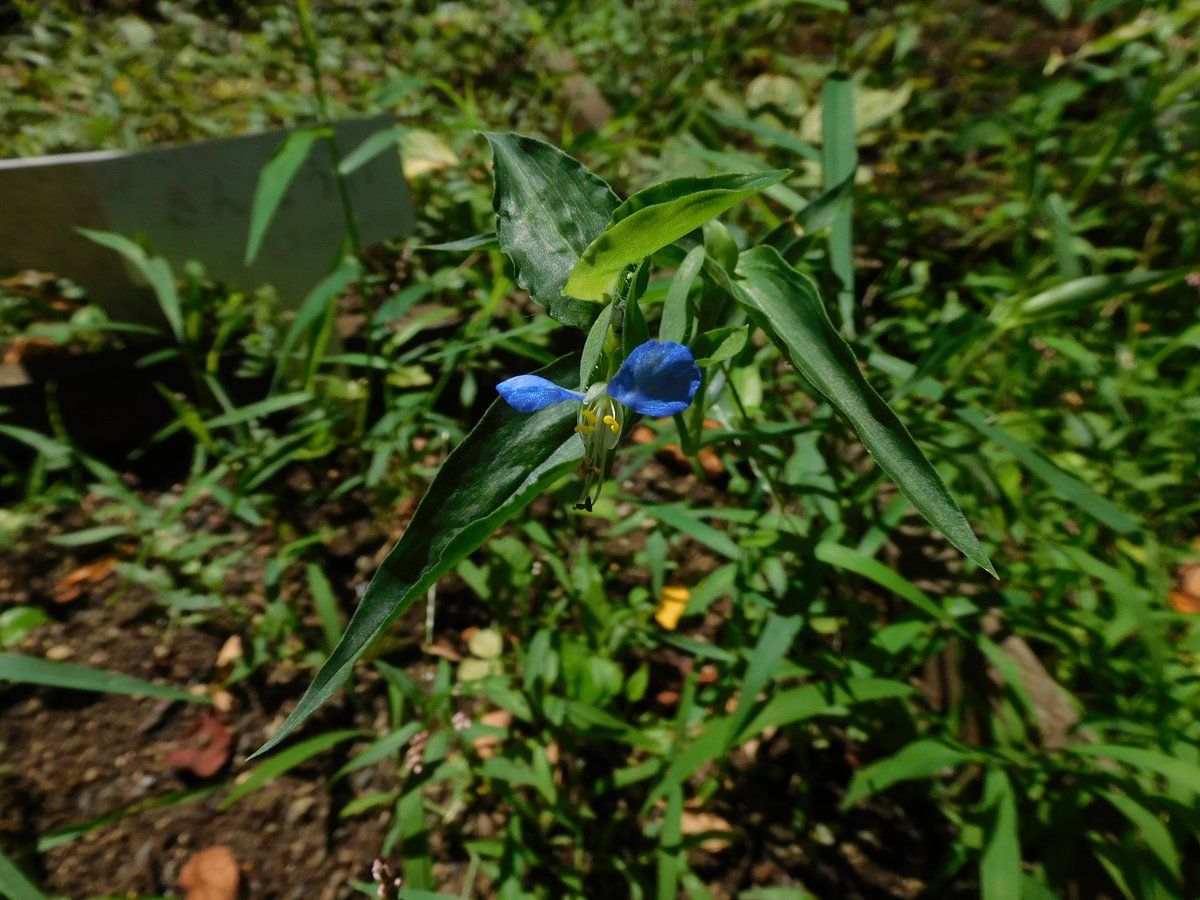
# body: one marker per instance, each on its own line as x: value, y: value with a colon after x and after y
x: 309, y: 35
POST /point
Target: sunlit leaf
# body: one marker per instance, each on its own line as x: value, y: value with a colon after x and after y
x: 549, y: 208
x: 653, y: 219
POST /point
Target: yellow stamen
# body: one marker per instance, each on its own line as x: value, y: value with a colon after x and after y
x: 585, y: 429
x: 612, y: 423
x: 590, y: 416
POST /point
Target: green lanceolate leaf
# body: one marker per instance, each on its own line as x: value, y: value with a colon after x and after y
x: 273, y: 183
x: 656, y: 217
x: 506, y: 461
x: 15, y: 884
x: 920, y: 759
x: 52, y: 673
x: 1000, y: 862
x: 549, y: 208
x: 788, y: 307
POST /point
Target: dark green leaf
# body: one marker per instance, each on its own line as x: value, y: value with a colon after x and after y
x: 920, y: 759
x: 506, y: 461
x: 788, y: 307
x: 772, y: 646
x: 827, y: 207
x: 656, y: 217
x: 253, y: 411
x: 1150, y: 829
x: 1182, y: 772
x: 549, y: 208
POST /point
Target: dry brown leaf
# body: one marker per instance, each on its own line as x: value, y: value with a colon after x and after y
x: 485, y: 745
x: 211, y: 874
x: 71, y: 586
x: 1189, y: 579
x: 230, y: 652
x: 1184, y: 602
x: 442, y: 648
x: 204, y: 748
x: 702, y: 822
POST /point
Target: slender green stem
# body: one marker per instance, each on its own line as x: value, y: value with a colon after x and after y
x: 309, y: 36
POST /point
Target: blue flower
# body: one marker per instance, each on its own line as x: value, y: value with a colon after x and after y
x: 656, y: 379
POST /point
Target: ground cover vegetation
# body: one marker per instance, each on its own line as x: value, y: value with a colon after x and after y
x: 767, y: 659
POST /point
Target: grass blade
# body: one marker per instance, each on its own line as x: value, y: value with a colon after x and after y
x: 273, y: 183
x: 14, y: 884
x: 1066, y: 486
x: 51, y: 673
x: 839, y: 159
x: 1000, y: 863
x: 156, y: 271
x: 284, y: 762
x: 918, y: 760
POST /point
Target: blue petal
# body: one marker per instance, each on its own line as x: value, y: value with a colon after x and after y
x: 529, y: 393
x: 656, y: 379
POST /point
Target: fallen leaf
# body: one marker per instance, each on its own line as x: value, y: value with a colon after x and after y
x: 1184, y: 602
x: 442, y: 648
x: 211, y: 874
x: 204, y: 748
x: 72, y: 586
x: 1189, y: 579
x: 709, y: 461
x: 703, y: 823
x: 230, y: 652
x: 485, y: 745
